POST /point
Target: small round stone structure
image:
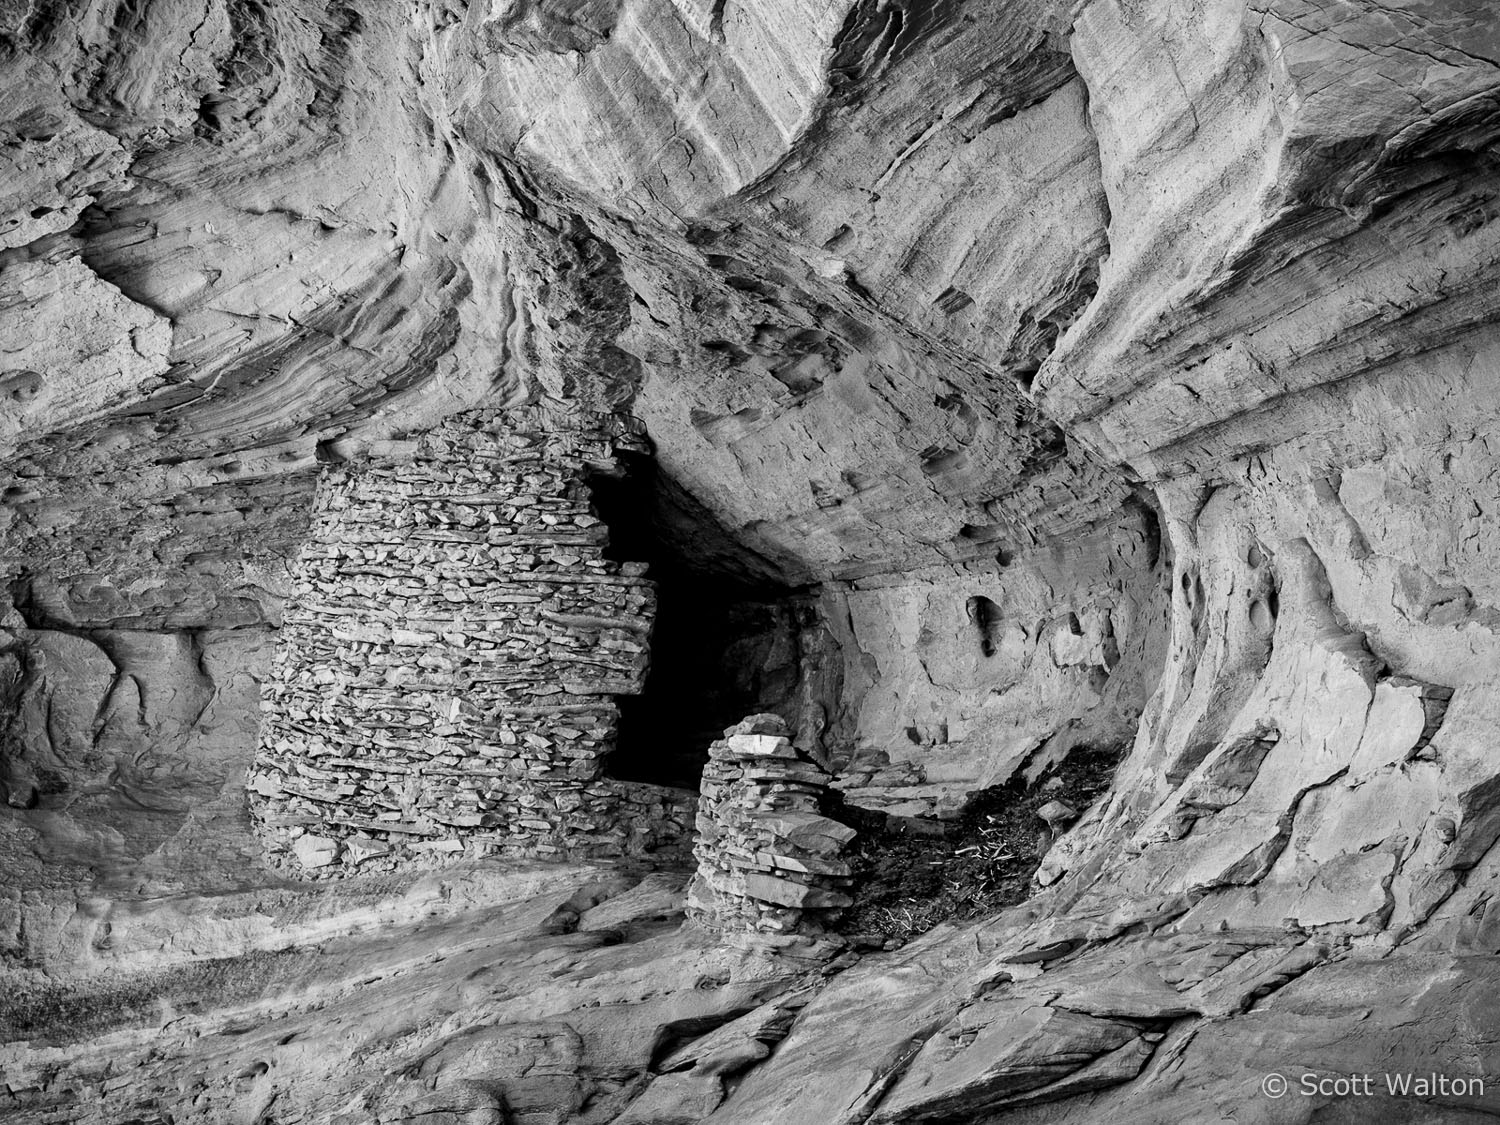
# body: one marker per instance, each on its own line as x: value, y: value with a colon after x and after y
x: 769, y: 861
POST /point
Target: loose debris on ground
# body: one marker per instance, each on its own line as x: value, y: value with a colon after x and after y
x: 913, y: 875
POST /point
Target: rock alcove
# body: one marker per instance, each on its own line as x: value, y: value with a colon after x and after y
x: 1023, y: 380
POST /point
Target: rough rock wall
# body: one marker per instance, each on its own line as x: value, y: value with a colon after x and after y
x: 229, y: 236
x: 355, y: 220
x: 123, y: 766
x: 956, y: 678
x: 828, y: 370
x: 551, y: 954
x: 446, y: 666
x: 890, y: 284
x: 1294, y: 872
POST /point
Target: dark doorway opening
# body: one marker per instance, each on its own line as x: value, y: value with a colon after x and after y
x: 727, y: 642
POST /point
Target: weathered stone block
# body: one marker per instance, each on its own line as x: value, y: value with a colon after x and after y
x: 761, y: 746
x: 315, y: 851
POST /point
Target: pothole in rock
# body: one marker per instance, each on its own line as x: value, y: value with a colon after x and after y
x: 911, y: 875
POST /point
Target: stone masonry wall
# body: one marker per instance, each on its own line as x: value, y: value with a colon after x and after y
x: 768, y: 860
x: 443, y: 683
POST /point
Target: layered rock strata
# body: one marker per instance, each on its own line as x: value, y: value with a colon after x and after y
x: 444, y: 678
x: 768, y: 860
x: 917, y: 301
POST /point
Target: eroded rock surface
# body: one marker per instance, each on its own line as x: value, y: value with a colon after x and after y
x: 1028, y: 375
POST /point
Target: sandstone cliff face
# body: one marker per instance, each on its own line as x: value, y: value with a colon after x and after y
x: 1095, y: 374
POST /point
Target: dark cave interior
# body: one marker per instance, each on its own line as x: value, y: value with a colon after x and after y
x: 723, y: 646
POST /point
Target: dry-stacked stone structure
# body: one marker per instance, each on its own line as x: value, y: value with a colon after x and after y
x: 443, y: 683
x: 768, y: 860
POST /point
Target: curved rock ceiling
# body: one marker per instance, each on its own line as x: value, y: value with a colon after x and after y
x: 1117, y: 372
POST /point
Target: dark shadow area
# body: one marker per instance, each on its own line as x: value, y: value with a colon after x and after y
x: 986, y: 619
x: 727, y: 640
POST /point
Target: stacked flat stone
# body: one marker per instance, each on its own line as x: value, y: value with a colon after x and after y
x: 768, y: 860
x: 445, y: 675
